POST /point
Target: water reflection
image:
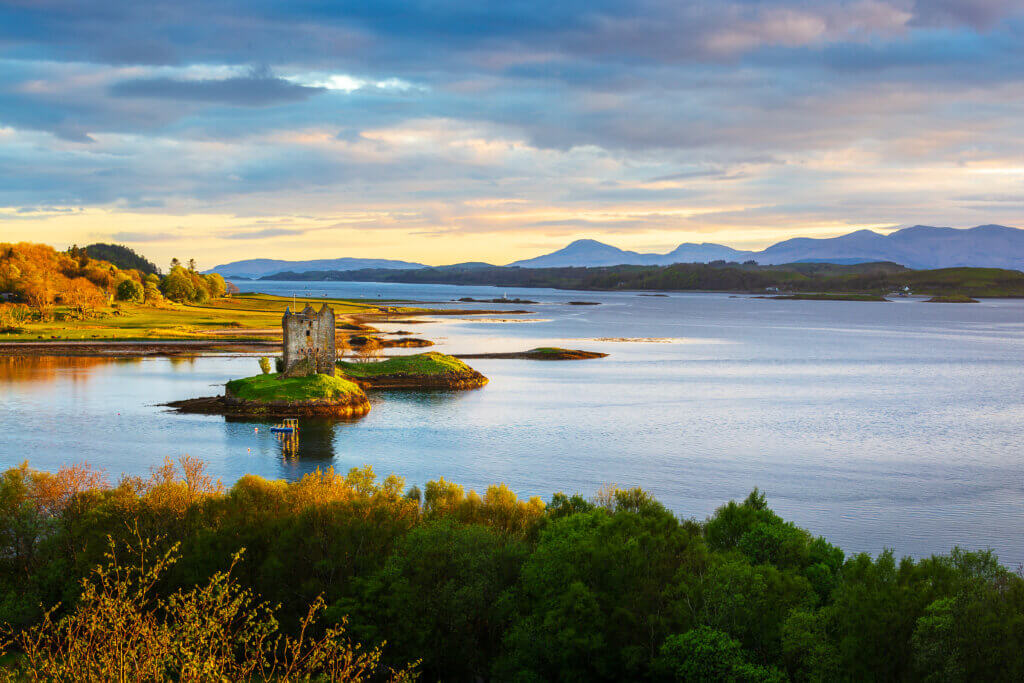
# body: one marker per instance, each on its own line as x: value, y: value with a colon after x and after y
x: 47, y: 368
x: 313, y: 443
x: 895, y: 425
x: 420, y: 397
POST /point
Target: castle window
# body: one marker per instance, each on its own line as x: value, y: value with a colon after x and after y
x: 307, y: 333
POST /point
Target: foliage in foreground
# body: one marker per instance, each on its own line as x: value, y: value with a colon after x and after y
x: 122, y: 629
x: 493, y: 587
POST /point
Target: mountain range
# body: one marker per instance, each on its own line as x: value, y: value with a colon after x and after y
x: 919, y: 247
x: 259, y: 267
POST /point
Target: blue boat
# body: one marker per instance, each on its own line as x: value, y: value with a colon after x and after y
x: 286, y: 427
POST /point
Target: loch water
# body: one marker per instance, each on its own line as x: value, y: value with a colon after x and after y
x: 877, y: 425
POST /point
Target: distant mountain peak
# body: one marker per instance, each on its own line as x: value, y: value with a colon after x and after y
x: 917, y: 246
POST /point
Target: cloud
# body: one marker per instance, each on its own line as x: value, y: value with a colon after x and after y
x: 137, y: 237
x: 415, y: 115
x: 46, y: 209
x: 255, y: 90
x: 262, y: 234
x: 980, y: 14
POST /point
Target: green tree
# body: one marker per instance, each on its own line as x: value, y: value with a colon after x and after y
x: 177, y: 286
x: 808, y: 651
x: 130, y: 290
x: 445, y: 594
x: 704, y: 655
x: 872, y: 617
x: 152, y: 293
x: 977, y: 632
x: 597, y: 594
x: 215, y: 285
x: 750, y: 602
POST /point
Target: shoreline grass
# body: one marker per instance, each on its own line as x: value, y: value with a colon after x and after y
x: 431, y: 363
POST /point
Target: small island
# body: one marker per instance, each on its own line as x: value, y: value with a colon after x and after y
x: 502, y: 300
x: 541, y: 353
x: 827, y: 297
x: 951, y: 299
x: 312, y: 395
x: 362, y: 342
x: 307, y: 384
x: 429, y: 370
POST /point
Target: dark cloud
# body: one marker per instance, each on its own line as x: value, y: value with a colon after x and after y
x: 256, y: 90
x: 46, y: 209
x: 980, y: 14
x: 577, y: 102
x: 425, y: 35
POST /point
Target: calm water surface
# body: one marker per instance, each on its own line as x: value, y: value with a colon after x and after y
x: 877, y: 425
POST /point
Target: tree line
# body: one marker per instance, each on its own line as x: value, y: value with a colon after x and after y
x: 492, y: 587
x: 40, y: 282
x: 879, y: 278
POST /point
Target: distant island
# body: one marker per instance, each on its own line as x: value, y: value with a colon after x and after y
x: 875, y: 279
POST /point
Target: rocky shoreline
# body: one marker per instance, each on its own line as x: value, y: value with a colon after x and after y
x: 539, y: 354
x: 354, y: 406
x: 462, y: 380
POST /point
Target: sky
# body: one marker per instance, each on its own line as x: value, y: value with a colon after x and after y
x: 444, y: 131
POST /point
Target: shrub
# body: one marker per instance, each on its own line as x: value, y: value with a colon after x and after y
x: 120, y: 630
x: 130, y: 290
x: 177, y: 287
x: 265, y: 365
x: 215, y: 285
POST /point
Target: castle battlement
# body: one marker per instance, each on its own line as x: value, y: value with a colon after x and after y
x: 309, y: 334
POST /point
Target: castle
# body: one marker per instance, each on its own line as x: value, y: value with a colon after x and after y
x: 309, y: 335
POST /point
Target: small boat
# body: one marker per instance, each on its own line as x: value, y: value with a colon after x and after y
x: 286, y: 427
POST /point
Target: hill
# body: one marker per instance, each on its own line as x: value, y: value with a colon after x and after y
x: 594, y: 253
x: 122, y: 257
x: 920, y: 246
x: 873, y: 278
x: 262, y: 267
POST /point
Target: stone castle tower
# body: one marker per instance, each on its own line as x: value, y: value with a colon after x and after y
x: 309, y: 335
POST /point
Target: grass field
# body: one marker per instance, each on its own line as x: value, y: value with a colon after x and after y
x: 225, y: 319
